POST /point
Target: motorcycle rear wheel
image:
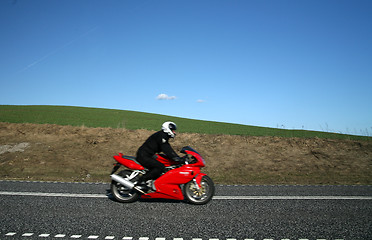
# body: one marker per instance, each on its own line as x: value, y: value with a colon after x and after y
x: 202, y: 195
x: 121, y: 193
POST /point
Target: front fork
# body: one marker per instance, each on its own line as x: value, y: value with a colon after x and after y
x: 197, y: 180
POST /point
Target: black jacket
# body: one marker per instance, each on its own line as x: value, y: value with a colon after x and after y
x: 157, y: 143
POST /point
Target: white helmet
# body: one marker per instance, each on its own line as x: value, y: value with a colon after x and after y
x: 170, y: 128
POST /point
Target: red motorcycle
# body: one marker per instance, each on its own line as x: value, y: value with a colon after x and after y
x: 182, y: 181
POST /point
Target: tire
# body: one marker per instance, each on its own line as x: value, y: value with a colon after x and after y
x: 194, y: 196
x: 121, y: 193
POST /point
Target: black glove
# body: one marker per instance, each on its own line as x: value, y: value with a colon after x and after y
x: 180, y: 160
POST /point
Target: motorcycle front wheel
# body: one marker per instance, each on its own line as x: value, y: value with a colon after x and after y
x: 202, y: 195
x: 121, y: 193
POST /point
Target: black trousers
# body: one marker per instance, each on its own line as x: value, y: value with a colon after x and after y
x: 155, y: 167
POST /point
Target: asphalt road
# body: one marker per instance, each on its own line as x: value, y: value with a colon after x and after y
x: 45, y: 210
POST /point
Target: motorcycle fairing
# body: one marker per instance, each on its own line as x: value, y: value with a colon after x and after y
x: 168, y: 185
x: 199, y: 160
x: 164, y: 160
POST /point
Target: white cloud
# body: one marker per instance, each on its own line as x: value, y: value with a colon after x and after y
x: 200, y: 101
x: 164, y: 96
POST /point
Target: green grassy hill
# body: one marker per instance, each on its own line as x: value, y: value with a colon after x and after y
x: 97, y: 117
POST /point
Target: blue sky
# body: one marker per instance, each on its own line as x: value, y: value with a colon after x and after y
x: 274, y: 63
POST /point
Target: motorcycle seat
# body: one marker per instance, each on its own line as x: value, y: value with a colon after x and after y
x: 131, y: 158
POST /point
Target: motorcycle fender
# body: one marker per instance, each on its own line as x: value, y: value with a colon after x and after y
x: 115, y: 168
x: 199, y: 177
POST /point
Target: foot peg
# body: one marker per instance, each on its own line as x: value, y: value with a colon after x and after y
x: 139, y: 190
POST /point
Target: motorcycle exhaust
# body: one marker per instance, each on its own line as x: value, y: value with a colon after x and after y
x: 125, y: 182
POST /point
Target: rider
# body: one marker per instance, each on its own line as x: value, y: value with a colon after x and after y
x: 156, y: 143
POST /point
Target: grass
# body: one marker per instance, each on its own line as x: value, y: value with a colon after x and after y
x: 98, y: 117
x: 80, y: 153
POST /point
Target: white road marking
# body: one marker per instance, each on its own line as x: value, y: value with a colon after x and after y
x: 40, y: 194
x: 292, y: 198
x: 76, y: 195
x: 60, y: 236
x: 27, y: 234
x: 44, y: 235
x: 93, y: 237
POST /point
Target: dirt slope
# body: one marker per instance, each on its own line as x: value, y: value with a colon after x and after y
x: 53, y: 152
